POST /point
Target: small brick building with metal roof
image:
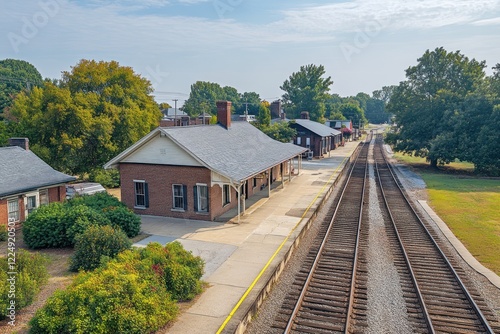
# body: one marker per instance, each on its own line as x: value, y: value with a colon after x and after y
x: 200, y: 172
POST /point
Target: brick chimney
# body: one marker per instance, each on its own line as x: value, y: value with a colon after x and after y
x: 224, y: 113
x: 304, y: 115
x: 21, y: 142
x: 275, y: 109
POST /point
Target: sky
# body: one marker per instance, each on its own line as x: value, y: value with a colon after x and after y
x: 253, y: 46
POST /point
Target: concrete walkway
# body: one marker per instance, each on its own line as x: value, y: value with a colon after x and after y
x: 240, y: 258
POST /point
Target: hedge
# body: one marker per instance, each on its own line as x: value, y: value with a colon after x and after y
x: 113, y: 299
x: 57, y: 224
x: 128, y: 294
x: 96, y: 242
x: 126, y: 219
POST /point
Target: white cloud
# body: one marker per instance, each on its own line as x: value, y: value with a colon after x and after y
x: 487, y: 22
x: 393, y: 15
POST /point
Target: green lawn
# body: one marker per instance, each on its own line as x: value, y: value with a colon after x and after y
x: 470, y: 206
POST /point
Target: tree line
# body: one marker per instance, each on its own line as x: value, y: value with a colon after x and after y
x: 98, y: 109
x: 448, y: 109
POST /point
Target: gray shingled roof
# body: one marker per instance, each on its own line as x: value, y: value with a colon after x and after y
x: 318, y: 128
x: 22, y: 171
x: 238, y: 153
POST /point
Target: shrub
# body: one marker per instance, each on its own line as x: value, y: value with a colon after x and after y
x: 79, y: 217
x: 97, y: 201
x: 31, y: 275
x: 179, y: 269
x: 96, y: 242
x: 117, y: 298
x: 56, y: 224
x: 109, y: 178
x: 128, y: 221
x: 3, y: 233
x: 46, y: 227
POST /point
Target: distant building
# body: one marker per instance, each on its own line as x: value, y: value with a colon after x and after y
x: 176, y: 117
x: 317, y: 138
x: 26, y: 182
x: 339, y: 124
x: 201, y: 172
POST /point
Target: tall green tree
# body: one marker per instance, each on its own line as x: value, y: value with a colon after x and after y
x: 16, y: 76
x: 264, y: 116
x: 352, y: 111
x: 97, y: 110
x: 203, y: 94
x: 423, y: 103
x: 249, y: 102
x: 307, y: 90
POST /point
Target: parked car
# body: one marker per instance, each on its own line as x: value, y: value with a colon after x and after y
x: 84, y: 188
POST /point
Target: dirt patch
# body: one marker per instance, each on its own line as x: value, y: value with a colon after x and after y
x: 115, y: 192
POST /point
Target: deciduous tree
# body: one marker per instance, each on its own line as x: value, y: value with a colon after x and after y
x: 97, y: 110
x: 426, y: 101
x: 307, y: 90
x: 16, y: 76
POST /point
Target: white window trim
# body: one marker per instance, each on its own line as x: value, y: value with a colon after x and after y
x: 143, y: 207
x: 174, y: 208
x: 198, y: 199
x: 16, y: 200
x: 37, y: 202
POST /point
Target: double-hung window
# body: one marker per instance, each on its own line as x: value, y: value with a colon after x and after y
x: 179, y: 193
x: 141, y: 194
x: 31, y: 202
x: 13, y: 209
x: 201, y: 198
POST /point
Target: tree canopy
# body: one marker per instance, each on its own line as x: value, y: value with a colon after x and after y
x: 204, y: 95
x: 95, y: 111
x: 445, y: 110
x: 307, y: 90
x: 16, y: 76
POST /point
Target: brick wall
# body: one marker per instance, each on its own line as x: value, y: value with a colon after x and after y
x: 160, y: 179
x: 3, y: 212
x: 57, y: 194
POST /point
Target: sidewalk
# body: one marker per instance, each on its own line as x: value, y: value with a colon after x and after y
x: 241, y: 258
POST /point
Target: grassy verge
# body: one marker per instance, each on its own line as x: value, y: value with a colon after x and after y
x: 468, y: 205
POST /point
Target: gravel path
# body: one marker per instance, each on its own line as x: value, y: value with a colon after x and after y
x: 385, y: 297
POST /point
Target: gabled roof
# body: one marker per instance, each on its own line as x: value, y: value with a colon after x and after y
x: 238, y: 153
x: 22, y: 171
x: 318, y: 128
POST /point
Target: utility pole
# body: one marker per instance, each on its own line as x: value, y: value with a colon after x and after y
x: 175, y: 112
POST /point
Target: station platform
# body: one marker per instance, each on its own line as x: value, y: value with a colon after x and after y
x: 242, y: 257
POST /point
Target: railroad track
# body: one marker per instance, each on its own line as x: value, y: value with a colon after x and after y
x: 447, y: 305
x: 322, y: 298
x: 329, y: 294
